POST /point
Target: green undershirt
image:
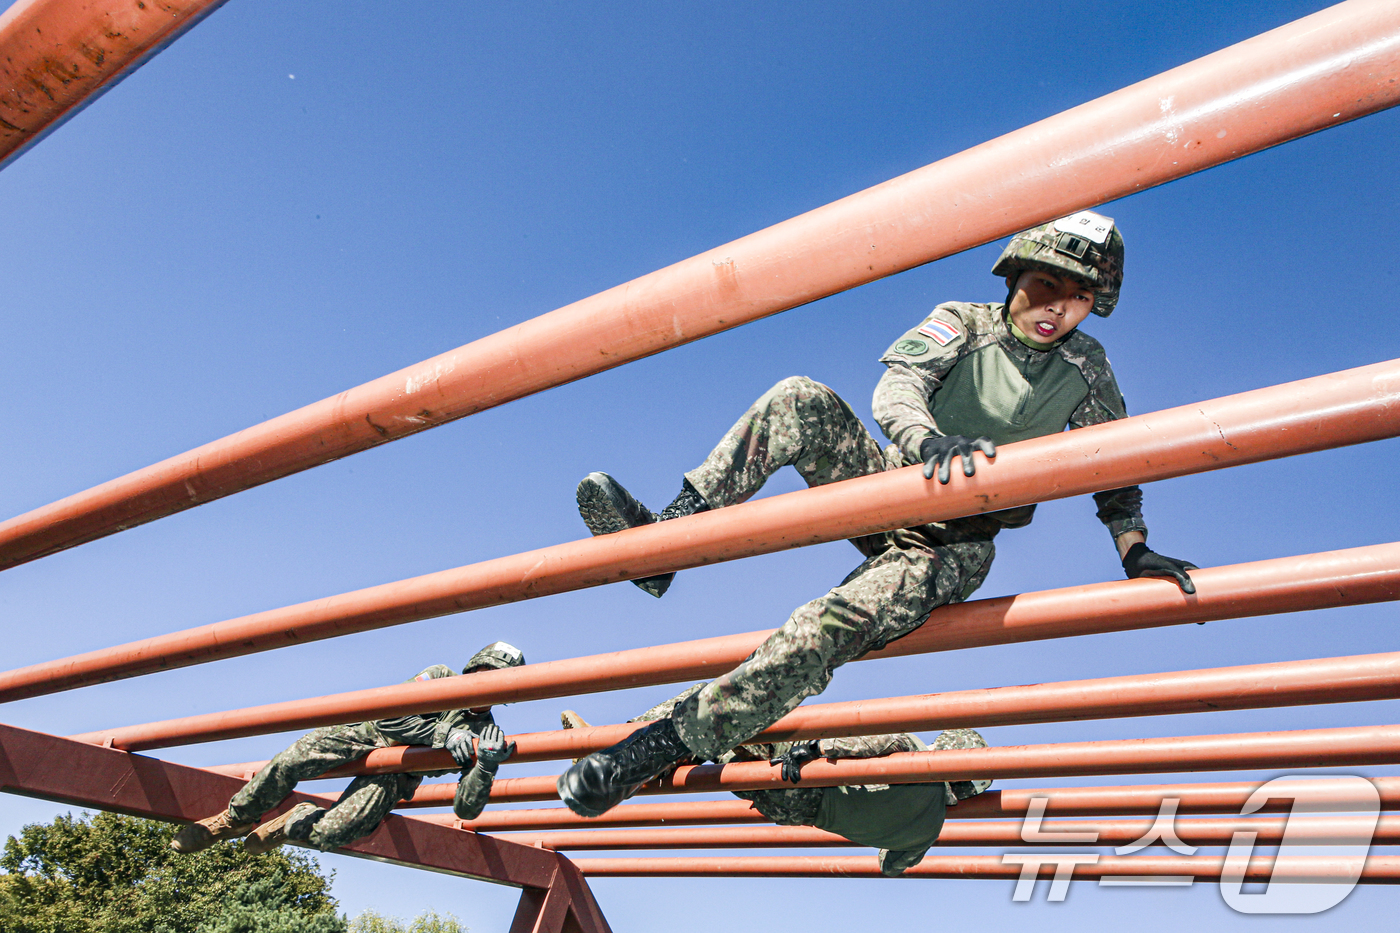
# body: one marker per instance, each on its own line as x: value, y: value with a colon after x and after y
x: 899, y: 816
x: 990, y: 394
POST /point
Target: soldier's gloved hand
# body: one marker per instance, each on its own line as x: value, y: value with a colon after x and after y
x: 940, y: 451
x: 794, y: 758
x: 1142, y: 562
x: 491, y: 746
x: 459, y: 746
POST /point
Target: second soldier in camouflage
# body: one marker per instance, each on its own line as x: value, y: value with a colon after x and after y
x: 370, y: 797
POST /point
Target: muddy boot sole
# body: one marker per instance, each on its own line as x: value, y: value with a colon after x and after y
x: 606, y: 507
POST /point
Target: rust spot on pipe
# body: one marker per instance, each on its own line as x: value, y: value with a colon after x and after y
x: 65, y: 74
x: 40, y: 86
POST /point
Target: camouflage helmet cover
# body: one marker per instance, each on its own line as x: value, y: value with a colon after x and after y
x: 498, y: 655
x: 1086, y: 246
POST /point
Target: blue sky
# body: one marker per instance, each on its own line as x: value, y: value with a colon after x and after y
x: 295, y: 199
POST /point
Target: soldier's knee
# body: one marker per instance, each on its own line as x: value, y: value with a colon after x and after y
x: 327, y: 837
x: 800, y: 389
x: 794, y: 385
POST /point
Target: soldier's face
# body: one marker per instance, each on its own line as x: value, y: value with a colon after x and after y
x: 1046, y: 307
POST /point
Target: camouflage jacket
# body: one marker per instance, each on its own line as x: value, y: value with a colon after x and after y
x: 432, y: 729
x: 962, y: 371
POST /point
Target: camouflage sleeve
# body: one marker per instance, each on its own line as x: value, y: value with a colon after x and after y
x: 432, y: 672
x: 473, y: 789
x: 1119, y: 509
x: 917, y: 363
x: 901, y: 408
x: 414, y: 729
x: 869, y: 746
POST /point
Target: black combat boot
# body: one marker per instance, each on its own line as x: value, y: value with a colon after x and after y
x: 608, y: 508
x: 596, y: 784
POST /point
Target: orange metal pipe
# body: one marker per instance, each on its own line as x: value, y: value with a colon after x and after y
x: 1195, y: 832
x: 1315, y: 581
x: 1248, y: 751
x: 1250, y: 686
x: 1127, y: 800
x: 1336, y: 65
x: 1313, y: 414
x: 1379, y: 869
x: 58, y: 56
x: 688, y: 813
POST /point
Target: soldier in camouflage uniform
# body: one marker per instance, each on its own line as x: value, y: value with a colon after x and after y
x: 370, y: 797
x: 967, y: 378
x: 901, y: 820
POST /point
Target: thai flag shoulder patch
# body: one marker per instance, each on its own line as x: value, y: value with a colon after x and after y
x: 941, y: 331
x: 424, y: 676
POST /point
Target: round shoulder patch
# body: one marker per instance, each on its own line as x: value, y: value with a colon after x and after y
x: 911, y: 347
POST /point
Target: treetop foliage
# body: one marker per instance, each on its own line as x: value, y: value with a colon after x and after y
x: 117, y: 874
x: 430, y: 922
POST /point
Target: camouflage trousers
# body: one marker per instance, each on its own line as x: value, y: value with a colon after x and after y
x: 787, y: 806
x: 907, y: 573
x: 360, y: 809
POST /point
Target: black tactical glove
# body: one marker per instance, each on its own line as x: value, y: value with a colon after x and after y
x: 942, y: 450
x: 794, y: 758
x: 491, y: 746
x: 1142, y: 562
x: 459, y: 746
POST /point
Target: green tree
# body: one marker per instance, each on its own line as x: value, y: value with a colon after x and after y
x: 267, y: 906
x: 430, y: 922
x: 117, y: 874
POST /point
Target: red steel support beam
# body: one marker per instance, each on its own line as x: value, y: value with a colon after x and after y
x: 1379, y: 869
x: 1250, y: 686
x: 1358, y: 575
x: 1247, y: 751
x: 1343, y: 408
x: 1336, y: 65
x: 1128, y: 800
x: 58, y: 56
x: 51, y: 768
x: 1338, y: 830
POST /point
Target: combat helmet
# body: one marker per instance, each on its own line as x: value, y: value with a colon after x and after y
x: 498, y: 655
x: 1086, y: 246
